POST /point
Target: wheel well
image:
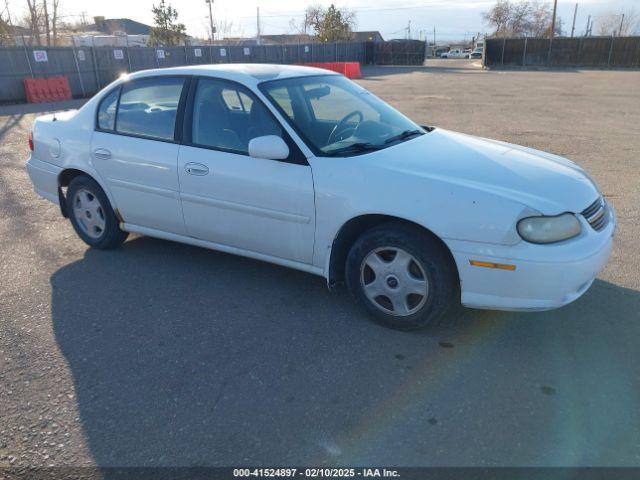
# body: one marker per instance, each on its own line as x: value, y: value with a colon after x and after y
x: 355, y: 227
x: 65, y: 177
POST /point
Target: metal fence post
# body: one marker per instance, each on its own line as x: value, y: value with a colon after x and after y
x: 26, y: 54
x: 126, y: 39
x: 75, y: 59
x: 579, y: 51
x: 95, y: 63
x: 524, y: 53
x: 549, y: 52
x: 504, y: 41
x: 186, y: 56
x: 211, y: 52
x: 610, y: 52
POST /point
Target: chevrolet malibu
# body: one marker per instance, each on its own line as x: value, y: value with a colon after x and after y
x: 303, y: 168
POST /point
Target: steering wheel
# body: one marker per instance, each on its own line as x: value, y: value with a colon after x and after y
x: 343, y: 127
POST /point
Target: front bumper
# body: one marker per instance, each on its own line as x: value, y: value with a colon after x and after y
x: 546, y: 276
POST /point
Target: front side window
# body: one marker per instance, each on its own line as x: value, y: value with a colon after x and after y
x: 337, y: 117
x: 107, y: 111
x: 149, y: 107
x: 227, y: 117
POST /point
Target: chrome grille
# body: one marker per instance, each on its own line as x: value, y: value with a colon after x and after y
x: 596, y: 214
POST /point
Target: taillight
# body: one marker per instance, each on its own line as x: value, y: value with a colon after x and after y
x: 31, y: 141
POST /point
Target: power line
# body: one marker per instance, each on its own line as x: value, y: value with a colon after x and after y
x: 297, y: 13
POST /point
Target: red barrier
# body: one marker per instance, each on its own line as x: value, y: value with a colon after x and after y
x: 348, y: 69
x: 30, y: 89
x: 52, y: 89
x: 352, y: 70
x: 59, y: 88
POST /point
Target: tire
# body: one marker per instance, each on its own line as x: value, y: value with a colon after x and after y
x: 91, y: 214
x: 388, y: 268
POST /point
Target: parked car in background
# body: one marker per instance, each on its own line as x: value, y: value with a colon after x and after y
x: 477, y: 53
x: 306, y: 169
x: 454, y: 53
x: 439, y: 51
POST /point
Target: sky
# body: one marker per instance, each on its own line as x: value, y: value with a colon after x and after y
x: 452, y: 19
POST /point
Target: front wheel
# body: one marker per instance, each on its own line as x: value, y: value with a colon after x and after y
x: 91, y: 214
x: 403, y: 276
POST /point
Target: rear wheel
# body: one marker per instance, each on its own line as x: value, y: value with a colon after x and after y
x: 91, y: 214
x: 403, y: 276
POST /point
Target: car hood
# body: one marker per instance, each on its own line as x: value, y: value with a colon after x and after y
x: 548, y: 183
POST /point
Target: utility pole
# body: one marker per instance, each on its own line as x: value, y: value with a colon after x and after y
x: 213, y: 29
x: 434, y: 35
x: 573, y: 27
x: 621, y: 23
x: 409, y: 30
x: 586, y: 32
x: 553, y: 21
x: 258, y: 25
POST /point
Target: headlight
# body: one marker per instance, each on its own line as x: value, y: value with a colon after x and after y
x: 549, y: 229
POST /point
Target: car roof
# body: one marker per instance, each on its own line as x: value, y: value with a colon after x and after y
x: 245, y: 73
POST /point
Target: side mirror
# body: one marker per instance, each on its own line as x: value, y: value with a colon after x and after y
x: 270, y: 147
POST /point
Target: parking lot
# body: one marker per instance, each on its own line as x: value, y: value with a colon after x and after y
x: 166, y: 354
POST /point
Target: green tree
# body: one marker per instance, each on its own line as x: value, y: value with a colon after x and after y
x: 331, y: 24
x: 167, y: 31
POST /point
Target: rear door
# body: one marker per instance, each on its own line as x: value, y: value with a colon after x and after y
x: 229, y: 198
x: 135, y: 149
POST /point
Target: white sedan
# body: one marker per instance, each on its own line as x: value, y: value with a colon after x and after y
x: 303, y: 168
x: 455, y: 53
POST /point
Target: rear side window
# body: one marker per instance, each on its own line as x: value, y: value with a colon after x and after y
x: 236, y: 100
x: 107, y: 111
x: 149, y: 107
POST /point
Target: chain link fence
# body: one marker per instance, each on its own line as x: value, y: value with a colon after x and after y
x: 602, y: 52
x: 88, y: 69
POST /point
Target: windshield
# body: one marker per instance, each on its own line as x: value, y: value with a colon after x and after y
x: 336, y: 116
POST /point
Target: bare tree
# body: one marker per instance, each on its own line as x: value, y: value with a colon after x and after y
x: 613, y: 23
x: 54, y: 21
x: 5, y: 30
x: 33, y: 20
x: 517, y: 19
x: 224, y: 26
x: 499, y: 17
x: 47, y: 24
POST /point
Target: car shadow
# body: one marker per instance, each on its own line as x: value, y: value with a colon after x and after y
x: 183, y: 356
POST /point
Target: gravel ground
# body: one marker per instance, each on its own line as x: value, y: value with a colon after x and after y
x: 165, y: 354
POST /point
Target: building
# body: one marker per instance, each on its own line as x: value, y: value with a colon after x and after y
x: 112, y: 26
x: 371, y: 36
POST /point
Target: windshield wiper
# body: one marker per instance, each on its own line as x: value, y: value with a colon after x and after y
x: 354, y: 148
x: 403, y: 136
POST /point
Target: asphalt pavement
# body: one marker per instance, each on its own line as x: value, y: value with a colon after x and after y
x: 161, y: 354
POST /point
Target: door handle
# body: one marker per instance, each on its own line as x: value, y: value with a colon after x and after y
x: 196, y: 169
x: 102, y: 154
